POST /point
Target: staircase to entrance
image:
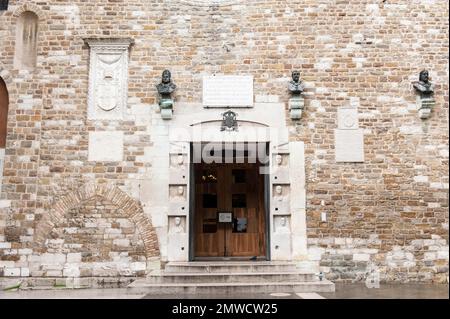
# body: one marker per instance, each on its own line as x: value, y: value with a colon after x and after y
x: 234, y: 277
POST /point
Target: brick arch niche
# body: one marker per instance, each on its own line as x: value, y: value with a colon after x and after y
x: 131, y: 209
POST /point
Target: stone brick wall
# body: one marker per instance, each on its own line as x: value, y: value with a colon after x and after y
x: 391, y: 210
x: 94, y: 233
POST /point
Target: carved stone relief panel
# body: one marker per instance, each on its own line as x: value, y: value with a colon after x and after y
x: 178, y: 205
x: 178, y: 161
x: 177, y: 225
x: 281, y: 238
x: 179, y: 164
x: 281, y: 224
x: 108, y: 78
x: 348, y: 118
x: 178, y: 193
x: 177, y: 244
x: 280, y: 159
x: 280, y: 199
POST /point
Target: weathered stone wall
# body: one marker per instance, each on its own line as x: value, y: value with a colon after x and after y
x: 391, y: 210
x: 94, y: 233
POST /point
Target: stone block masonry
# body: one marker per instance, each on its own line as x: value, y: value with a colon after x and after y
x: 66, y: 213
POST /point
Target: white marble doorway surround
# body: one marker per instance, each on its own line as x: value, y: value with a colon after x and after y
x: 167, y: 199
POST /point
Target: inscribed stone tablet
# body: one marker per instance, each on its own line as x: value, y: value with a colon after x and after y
x: 106, y: 146
x: 349, y: 145
x: 224, y: 91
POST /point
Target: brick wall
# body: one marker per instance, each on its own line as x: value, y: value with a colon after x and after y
x: 391, y: 210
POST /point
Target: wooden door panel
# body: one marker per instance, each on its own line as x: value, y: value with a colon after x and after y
x: 239, y: 189
x: 248, y: 243
x: 244, y: 245
x: 206, y: 229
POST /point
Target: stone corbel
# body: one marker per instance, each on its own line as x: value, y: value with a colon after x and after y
x: 296, y: 107
x: 166, y: 108
x: 425, y: 107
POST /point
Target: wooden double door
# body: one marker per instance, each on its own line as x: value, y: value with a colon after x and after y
x: 229, y: 215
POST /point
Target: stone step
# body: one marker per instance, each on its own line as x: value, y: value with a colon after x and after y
x: 231, y: 288
x: 229, y: 267
x: 230, y: 277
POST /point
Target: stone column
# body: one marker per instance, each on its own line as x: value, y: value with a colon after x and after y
x: 298, y: 200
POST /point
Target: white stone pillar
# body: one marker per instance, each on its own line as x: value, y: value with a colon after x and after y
x: 298, y: 199
x: 178, y: 213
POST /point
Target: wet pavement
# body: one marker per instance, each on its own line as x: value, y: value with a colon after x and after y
x: 343, y: 291
x: 389, y: 291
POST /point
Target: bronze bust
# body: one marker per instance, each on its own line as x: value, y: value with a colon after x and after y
x: 296, y: 86
x: 165, y: 90
x: 426, y: 90
x: 166, y: 87
x: 424, y: 86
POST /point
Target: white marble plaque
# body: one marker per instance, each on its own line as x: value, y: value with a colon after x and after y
x: 108, y: 78
x: 348, y: 118
x: 106, y: 146
x: 349, y: 145
x: 228, y: 91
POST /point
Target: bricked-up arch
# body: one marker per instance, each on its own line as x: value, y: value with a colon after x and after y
x: 131, y: 208
x: 30, y: 7
x: 27, y: 29
x: 4, y: 106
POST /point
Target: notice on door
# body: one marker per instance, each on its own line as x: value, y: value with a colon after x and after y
x: 225, y: 217
x: 228, y: 91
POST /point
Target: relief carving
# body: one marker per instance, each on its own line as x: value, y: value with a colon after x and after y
x: 108, y: 78
x: 282, y: 225
x: 177, y: 225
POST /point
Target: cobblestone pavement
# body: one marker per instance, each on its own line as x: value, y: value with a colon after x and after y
x: 343, y: 291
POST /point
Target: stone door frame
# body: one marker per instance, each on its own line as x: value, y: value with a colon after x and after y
x: 287, y: 214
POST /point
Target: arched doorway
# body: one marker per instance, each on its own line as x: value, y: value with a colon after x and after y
x: 4, y: 102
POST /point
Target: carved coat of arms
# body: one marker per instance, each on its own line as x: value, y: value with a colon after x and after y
x: 229, y: 121
x: 108, y: 89
x: 107, y: 96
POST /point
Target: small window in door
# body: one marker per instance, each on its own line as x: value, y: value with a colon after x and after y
x: 239, y: 176
x: 209, y: 200
x: 208, y: 176
x: 239, y: 201
x: 209, y: 226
